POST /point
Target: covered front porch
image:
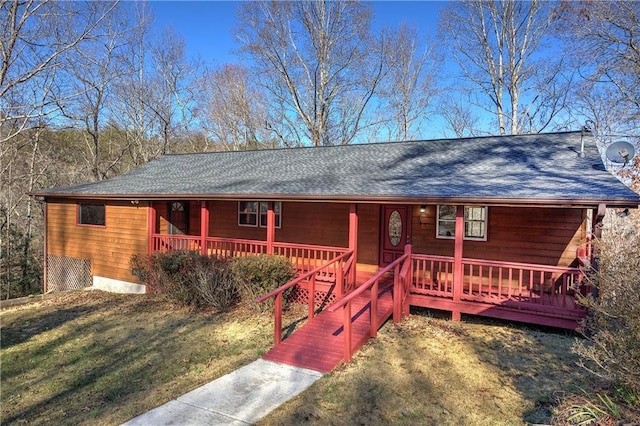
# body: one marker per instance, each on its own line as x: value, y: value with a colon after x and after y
x: 527, y: 292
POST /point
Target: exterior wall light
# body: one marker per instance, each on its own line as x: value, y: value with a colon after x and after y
x: 423, y: 209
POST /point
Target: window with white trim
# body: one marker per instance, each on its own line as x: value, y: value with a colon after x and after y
x: 264, y: 206
x: 475, y: 222
x: 254, y: 213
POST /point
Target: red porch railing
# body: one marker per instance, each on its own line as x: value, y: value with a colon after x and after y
x: 167, y: 242
x: 340, y: 266
x: 234, y: 247
x: 307, y: 257
x: 501, y: 283
x: 534, y: 290
x: 433, y: 275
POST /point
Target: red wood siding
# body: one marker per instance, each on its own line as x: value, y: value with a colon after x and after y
x: 194, y: 217
x: 223, y: 222
x: 110, y: 247
x: 324, y: 224
x: 162, y: 217
x: 547, y: 236
x: 304, y: 223
x: 368, y: 233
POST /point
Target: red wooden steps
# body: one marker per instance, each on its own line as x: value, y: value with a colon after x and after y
x: 319, y: 344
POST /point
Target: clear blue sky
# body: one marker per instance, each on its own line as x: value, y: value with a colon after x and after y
x: 207, y: 26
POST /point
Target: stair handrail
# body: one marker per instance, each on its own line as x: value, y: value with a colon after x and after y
x: 372, y: 285
x: 362, y: 288
x: 278, y: 292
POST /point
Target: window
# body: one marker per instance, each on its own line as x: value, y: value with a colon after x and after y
x: 264, y: 206
x: 250, y: 211
x: 475, y: 222
x: 91, y: 214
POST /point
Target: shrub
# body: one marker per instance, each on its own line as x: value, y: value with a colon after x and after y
x: 188, y: 278
x: 611, y: 349
x: 192, y: 279
x: 172, y: 271
x: 258, y: 275
x: 214, y: 284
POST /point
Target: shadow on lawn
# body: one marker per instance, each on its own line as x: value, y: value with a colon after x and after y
x: 467, y: 375
x: 537, y: 361
x: 97, y: 366
x: 22, y: 329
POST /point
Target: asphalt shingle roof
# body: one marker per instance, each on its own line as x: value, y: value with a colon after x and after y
x: 538, y: 167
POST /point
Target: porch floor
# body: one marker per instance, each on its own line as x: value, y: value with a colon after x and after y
x: 319, y: 344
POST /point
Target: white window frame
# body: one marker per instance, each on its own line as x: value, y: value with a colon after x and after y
x: 260, y: 212
x: 484, y: 222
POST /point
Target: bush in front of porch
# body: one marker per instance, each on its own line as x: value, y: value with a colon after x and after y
x: 611, y: 348
x: 613, y: 326
x: 192, y: 279
x: 258, y: 275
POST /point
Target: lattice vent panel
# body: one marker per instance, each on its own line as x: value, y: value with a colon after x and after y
x: 68, y: 273
x: 301, y: 295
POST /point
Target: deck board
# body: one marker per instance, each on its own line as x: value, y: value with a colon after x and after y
x: 319, y: 344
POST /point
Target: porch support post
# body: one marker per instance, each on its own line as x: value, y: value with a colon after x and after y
x: 458, y: 270
x: 597, y: 233
x: 353, y: 240
x: 271, y: 227
x: 204, y: 226
x: 151, y: 225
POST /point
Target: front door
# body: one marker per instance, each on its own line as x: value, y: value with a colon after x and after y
x: 178, y: 217
x: 394, y: 234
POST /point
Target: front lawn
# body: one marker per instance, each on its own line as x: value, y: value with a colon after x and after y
x: 432, y: 371
x: 99, y: 358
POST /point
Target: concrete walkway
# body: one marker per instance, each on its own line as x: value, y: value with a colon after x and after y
x: 239, y: 398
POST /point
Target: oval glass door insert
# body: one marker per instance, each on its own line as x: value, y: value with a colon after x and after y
x: 395, y: 228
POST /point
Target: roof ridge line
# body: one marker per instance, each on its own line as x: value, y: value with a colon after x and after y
x: 293, y: 148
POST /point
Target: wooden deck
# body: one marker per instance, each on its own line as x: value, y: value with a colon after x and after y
x: 319, y: 344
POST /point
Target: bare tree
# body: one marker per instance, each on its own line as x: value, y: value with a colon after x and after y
x: 154, y: 101
x: 603, y: 40
x: 410, y: 85
x: 231, y: 110
x: 319, y: 64
x: 34, y: 36
x: 132, y: 90
x: 499, y: 47
x: 91, y: 71
x: 460, y: 118
x: 169, y: 93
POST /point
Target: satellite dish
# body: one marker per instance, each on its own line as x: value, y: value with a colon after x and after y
x: 620, y: 152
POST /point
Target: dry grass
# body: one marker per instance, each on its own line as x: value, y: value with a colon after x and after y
x: 433, y: 371
x: 98, y: 358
